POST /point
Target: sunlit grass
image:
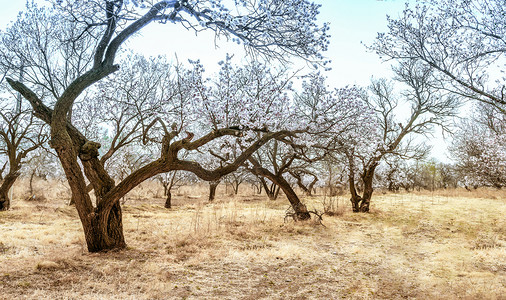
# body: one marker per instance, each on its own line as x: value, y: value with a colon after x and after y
x: 442, y: 245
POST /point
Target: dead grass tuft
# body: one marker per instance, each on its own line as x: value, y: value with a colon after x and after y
x: 487, y: 240
x: 47, y: 265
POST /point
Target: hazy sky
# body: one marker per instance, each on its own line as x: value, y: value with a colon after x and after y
x: 352, y: 22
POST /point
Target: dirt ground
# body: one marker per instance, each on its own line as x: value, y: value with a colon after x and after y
x: 447, y: 245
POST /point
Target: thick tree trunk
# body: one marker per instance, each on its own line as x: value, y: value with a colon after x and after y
x: 362, y: 203
x: 103, y: 227
x: 300, y: 209
x: 355, y: 203
x: 106, y: 231
x: 5, y: 201
x: 212, y: 189
x: 367, y: 179
x: 168, y: 203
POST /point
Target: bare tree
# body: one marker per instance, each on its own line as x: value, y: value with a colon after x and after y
x: 429, y: 108
x: 42, y: 164
x: 300, y: 210
x: 173, y: 180
x: 20, y: 134
x: 277, y: 158
x: 237, y: 178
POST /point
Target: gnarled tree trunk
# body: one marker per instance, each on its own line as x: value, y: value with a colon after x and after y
x: 367, y: 179
x: 106, y: 230
x: 5, y: 201
x: 103, y: 226
x: 362, y: 203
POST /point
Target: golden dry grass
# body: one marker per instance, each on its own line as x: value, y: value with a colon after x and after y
x: 418, y: 246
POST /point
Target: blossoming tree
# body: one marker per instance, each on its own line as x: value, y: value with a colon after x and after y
x: 462, y: 41
x: 389, y: 135
x: 70, y: 47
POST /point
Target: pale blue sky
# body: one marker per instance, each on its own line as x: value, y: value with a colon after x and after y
x: 351, y: 23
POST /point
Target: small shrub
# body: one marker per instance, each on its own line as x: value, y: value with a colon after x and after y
x: 486, y: 241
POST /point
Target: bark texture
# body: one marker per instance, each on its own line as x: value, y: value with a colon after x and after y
x: 362, y: 203
x: 5, y: 202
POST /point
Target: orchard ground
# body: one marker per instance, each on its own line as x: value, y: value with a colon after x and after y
x: 444, y: 245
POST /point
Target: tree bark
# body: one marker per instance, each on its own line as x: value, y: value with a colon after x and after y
x: 356, y: 201
x: 299, y: 208
x: 355, y: 197
x: 368, y: 189
x: 103, y: 228
x: 362, y: 203
x: 168, y: 203
x: 212, y: 189
x: 5, y: 201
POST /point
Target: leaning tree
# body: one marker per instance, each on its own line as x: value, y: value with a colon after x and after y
x: 71, y: 46
x: 270, y: 109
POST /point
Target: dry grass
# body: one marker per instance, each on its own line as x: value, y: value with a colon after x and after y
x: 422, y: 246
